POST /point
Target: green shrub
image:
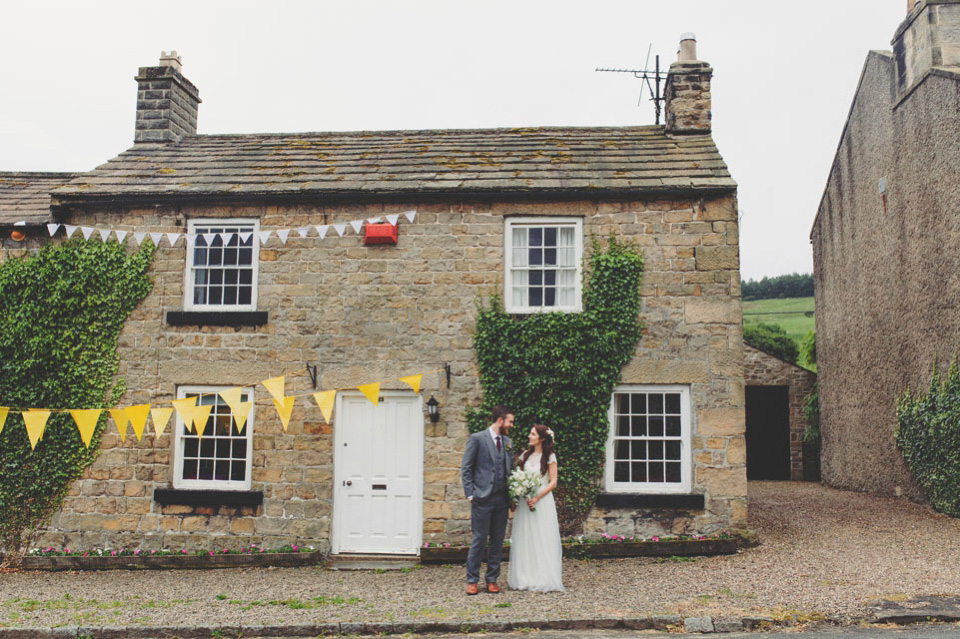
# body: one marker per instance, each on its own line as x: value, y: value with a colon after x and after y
x: 928, y: 437
x: 771, y: 339
x: 63, y: 310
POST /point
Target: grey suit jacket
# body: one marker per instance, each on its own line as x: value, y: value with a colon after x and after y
x: 478, y: 469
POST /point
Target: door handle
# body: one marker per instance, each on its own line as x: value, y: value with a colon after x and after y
x: 348, y: 483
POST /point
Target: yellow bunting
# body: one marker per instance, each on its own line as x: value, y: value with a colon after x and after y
x: 138, y: 418
x: 120, y: 419
x: 35, y: 421
x: 200, y: 416
x: 233, y: 397
x: 325, y: 401
x: 413, y: 381
x: 160, y: 418
x: 371, y: 391
x: 275, y: 386
x: 86, y: 422
x: 284, y: 410
x: 185, y: 409
x: 3, y: 416
x: 240, y: 415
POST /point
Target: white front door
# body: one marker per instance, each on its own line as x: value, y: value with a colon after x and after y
x: 378, y: 474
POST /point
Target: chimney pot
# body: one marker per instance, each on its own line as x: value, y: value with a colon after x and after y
x: 171, y: 59
x: 688, y: 48
x: 687, y: 92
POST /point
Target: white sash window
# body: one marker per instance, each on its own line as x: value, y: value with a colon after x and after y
x: 543, y: 263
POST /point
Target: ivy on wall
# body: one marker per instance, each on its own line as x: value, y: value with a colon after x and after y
x: 62, y: 312
x: 560, y: 369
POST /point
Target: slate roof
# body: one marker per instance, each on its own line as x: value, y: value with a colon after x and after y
x: 535, y: 160
x: 26, y: 196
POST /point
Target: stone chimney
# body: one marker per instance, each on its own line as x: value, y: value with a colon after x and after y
x: 929, y: 37
x: 687, y: 94
x: 166, y: 102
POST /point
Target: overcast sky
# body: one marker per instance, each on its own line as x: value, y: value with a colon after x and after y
x: 784, y: 76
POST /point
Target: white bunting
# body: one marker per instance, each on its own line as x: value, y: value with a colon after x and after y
x: 70, y: 230
x: 373, y: 220
x: 322, y: 230
x: 392, y: 218
x: 104, y: 234
x: 264, y: 236
x: 121, y: 236
x: 156, y: 237
x: 138, y: 238
x: 340, y: 228
x: 303, y: 231
x: 87, y: 232
x: 282, y: 234
x: 410, y: 215
x: 20, y: 223
x: 246, y: 235
x: 172, y: 238
x: 53, y: 228
x: 226, y: 237
x: 191, y: 239
x: 356, y: 224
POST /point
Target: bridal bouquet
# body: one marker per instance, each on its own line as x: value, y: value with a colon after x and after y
x: 523, y: 484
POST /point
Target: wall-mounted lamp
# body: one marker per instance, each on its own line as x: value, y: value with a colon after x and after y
x: 17, y: 236
x: 433, y: 409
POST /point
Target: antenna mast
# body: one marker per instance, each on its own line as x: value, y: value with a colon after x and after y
x: 646, y: 75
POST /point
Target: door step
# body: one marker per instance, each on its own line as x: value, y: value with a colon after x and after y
x: 372, y: 562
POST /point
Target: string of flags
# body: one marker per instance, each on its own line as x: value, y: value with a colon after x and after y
x: 193, y: 415
x: 192, y: 239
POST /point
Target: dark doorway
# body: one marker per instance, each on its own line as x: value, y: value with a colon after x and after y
x: 768, y: 432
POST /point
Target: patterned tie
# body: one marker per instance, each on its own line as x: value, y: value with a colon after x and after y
x: 499, y: 449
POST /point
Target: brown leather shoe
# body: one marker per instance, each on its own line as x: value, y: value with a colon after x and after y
x: 493, y: 588
x: 472, y: 589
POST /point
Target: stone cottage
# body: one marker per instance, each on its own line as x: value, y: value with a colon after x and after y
x: 885, y: 245
x: 503, y: 212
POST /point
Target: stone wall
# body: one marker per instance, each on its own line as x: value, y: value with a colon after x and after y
x: 376, y: 313
x: 762, y: 369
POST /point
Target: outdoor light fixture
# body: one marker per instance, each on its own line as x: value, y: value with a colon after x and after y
x: 17, y: 236
x: 433, y: 410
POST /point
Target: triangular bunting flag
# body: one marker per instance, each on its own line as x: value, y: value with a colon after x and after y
x: 322, y: 230
x: 104, y: 234
x: 87, y: 232
x: 185, y: 409
x: 285, y: 409
x: 3, y: 416
x: 35, y: 421
x: 246, y: 235
x: 20, y: 223
x: 226, y: 237
x: 410, y: 215
x: 275, y: 386
x: 200, y: 416
x: 233, y: 397
x: 304, y: 231
x: 192, y: 239
x: 121, y: 236
x: 373, y: 220
x: 392, y: 218
x: 357, y: 225
x: 370, y: 391
x: 70, y: 230
x: 241, y: 414
x: 138, y: 238
x: 282, y: 234
x: 325, y: 400
x: 155, y: 238
x: 413, y: 381
x: 340, y: 228
x: 160, y: 418
x: 53, y: 228
x: 264, y: 236
x: 120, y: 419
x: 86, y: 420
x: 138, y: 418
x: 172, y: 238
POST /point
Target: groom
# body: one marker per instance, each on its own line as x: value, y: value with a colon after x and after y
x: 487, y: 462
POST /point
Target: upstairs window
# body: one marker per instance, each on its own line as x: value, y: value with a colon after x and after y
x: 543, y: 261
x: 222, y: 265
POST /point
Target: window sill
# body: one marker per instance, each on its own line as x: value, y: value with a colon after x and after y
x: 633, y: 500
x: 181, y: 497
x: 217, y: 318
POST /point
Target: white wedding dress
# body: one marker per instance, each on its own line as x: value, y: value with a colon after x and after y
x: 535, y: 553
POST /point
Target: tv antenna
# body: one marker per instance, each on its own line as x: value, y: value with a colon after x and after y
x: 647, y: 75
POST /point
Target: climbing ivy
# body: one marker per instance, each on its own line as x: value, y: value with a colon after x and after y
x: 63, y: 310
x: 560, y: 369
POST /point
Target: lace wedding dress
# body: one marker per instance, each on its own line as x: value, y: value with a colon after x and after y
x: 535, y: 553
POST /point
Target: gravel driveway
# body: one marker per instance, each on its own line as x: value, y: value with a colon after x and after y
x: 823, y: 552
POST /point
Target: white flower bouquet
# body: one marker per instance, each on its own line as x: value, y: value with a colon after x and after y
x: 523, y: 484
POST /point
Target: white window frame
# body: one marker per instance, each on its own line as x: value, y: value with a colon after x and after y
x: 686, y: 467
x: 514, y: 222
x: 188, y: 277
x: 178, y: 445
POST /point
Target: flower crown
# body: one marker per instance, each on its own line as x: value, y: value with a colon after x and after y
x: 550, y: 432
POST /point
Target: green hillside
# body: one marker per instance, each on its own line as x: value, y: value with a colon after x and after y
x: 795, y: 314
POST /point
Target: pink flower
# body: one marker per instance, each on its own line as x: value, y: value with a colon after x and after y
x: 426, y: 544
x: 655, y: 538
x: 225, y: 551
x: 84, y: 553
x: 210, y: 553
x: 296, y: 548
x: 137, y: 551
x: 183, y: 551
x: 446, y: 545
x: 113, y: 553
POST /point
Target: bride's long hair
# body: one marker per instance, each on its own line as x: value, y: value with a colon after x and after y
x: 547, y: 443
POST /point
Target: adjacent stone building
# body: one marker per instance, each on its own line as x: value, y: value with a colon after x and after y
x: 885, y: 245
x: 504, y: 212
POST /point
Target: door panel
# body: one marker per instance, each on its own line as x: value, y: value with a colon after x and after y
x: 768, y: 432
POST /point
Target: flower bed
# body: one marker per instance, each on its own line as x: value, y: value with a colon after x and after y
x: 604, y: 546
x: 134, y: 559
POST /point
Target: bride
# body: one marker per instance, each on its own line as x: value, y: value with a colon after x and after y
x: 535, y: 552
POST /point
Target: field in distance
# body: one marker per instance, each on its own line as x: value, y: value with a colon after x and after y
x: 794, y: 314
